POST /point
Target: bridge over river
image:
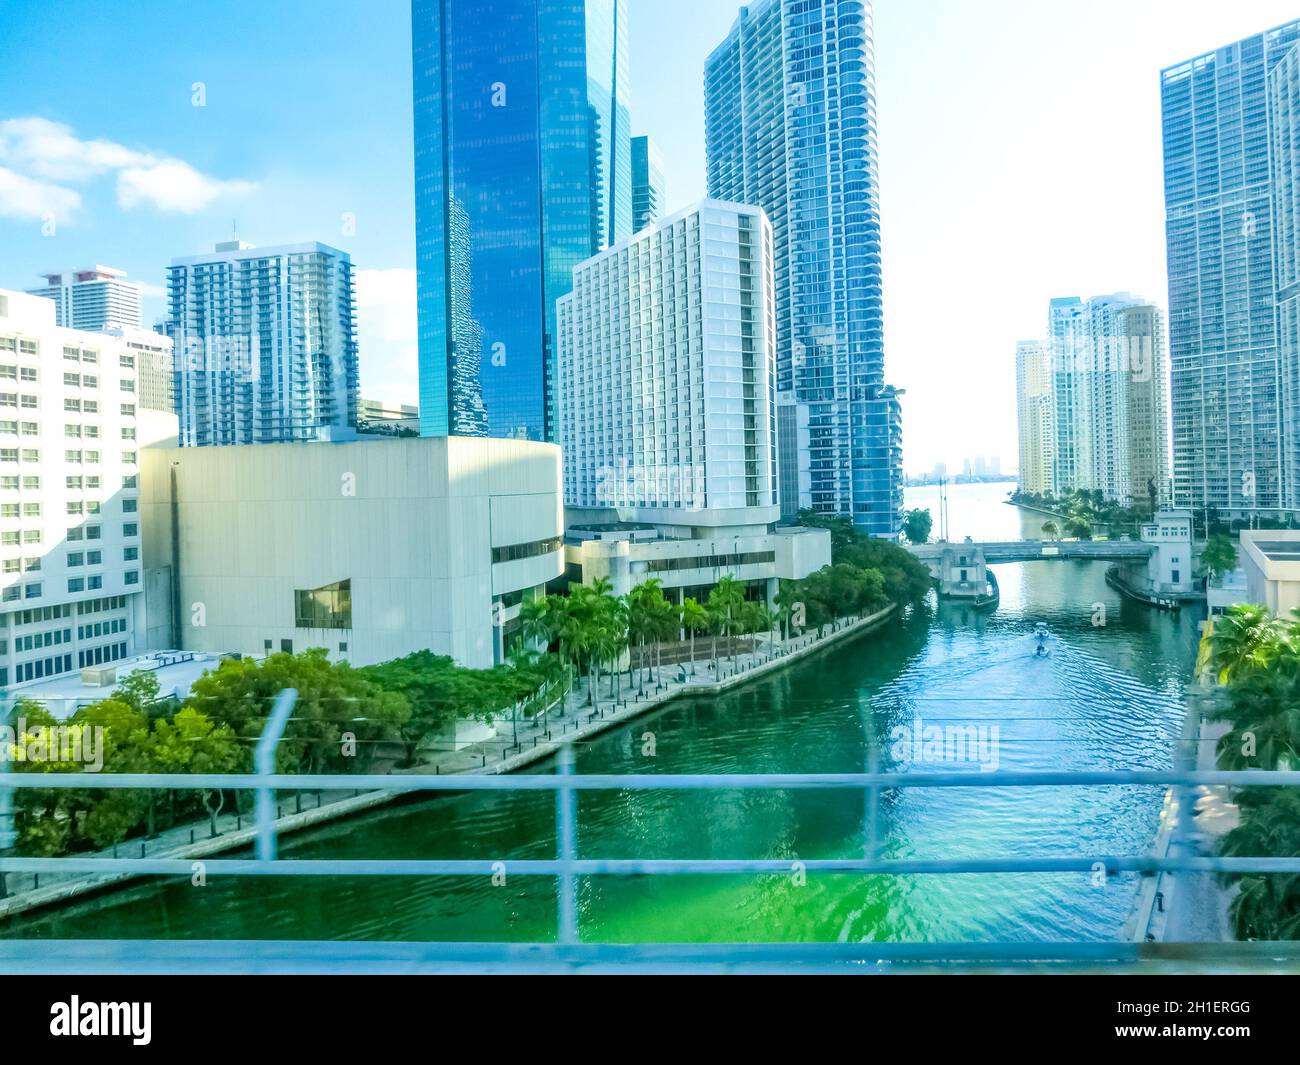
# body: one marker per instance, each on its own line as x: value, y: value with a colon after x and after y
x: 961, y: 569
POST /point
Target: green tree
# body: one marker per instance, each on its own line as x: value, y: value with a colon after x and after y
x: 1244, y: 639
x: 917, y: 525
x: 1219, y: 556
x: 1266, y: 906
x: 333, y: 700
x: 694, y: 619
x: 1051, y: 530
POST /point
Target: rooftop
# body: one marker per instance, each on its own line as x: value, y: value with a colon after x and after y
x: 63, y: 696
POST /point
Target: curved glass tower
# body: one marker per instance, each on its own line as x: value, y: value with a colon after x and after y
x: 790, y: 124
x: 522, y: 171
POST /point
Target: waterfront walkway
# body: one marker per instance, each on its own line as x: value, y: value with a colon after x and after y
x: 518, y: 745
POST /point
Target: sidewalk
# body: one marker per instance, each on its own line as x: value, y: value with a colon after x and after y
x: 529, y: 741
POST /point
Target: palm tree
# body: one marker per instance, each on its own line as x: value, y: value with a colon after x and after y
x: 730, y: 595
x: 1244, y: 639
x: 694, y: 618
x: 1051, y: 530
x: 1266, y: 907
x: 535, y: 619
x: 787, y: 601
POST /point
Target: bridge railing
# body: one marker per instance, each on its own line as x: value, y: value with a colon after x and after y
x: 567, y: 866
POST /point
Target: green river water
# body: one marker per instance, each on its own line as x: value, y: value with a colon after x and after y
x: 1106, y: 697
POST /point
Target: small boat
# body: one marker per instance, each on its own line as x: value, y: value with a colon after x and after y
x: 1041, y: 634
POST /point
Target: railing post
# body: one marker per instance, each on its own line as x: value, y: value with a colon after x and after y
x: 871, y: 851
x: 264, y: 764
x: 566, y: 830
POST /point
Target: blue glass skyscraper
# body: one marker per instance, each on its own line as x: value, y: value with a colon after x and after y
x: 790, y: 124
x: 1226, y: 392
x: 522, y: 171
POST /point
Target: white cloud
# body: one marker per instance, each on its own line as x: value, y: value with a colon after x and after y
x: 49, y: 149
x: 387, y: 335
x: 172, y: 185
x: 39, y: 153
x: 26, y: 198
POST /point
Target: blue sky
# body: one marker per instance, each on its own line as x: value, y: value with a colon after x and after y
x: 1020, y: 158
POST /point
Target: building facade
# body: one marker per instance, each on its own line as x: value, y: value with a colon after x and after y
x: 72, y: 434
x: 265, y: 344
x: 522, y: 171
x: 1093, y: 404
x: 1284, y: 162
x: 1034, y: 417
x: 1226, y: 374
x: 95, y: 298
x: 264, y: 549
x: 648, y: 187
x: 790, y: 126
x: 667, y: 416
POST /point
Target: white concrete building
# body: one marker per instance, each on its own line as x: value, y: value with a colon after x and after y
x: 371, y: 549
x: 667, y: 417
x: 266, y: 346
x: 1271, y: 561
x: 96, y: 298
x: 71, y: 438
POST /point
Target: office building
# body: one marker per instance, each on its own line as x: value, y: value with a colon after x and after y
x: 648, y: 188
x: 1223, y: 345
x: 95, y: 298
x: 265, y: 344
x: 667, y: 413
x: 278, y: 545
x: 522, y: 171
x: 72, y: 433
x: 790, y: 126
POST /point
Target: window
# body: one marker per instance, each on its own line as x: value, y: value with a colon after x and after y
x: 130, y: 554
x: 32, y: 591
x: 76, y: 558
x: 329, y: 607
x: 532, y: 550
x: 94, y: 558
x: 130, y: 529
x: 286, y: 646
x: 132, y: 576
x: 94, y: 583
x: 76, y: 584
x: 129, y: 506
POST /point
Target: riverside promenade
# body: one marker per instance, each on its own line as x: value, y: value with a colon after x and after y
x: 518, y: 745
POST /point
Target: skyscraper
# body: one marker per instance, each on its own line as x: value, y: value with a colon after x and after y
x: 1226, y: 373
x: 1034, y: 417
x: 522, y: 170
x: 647, y: 183
x: 1284, y: 155
x: 790, y: 126
x: 95, y: 298
x: 666, y: 372
x: 1093, y: 402
x: 266, y: 348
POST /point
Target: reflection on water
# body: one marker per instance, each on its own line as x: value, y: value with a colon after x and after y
x: 1105, y: 697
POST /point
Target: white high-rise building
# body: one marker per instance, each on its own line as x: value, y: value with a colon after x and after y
x: 1099, y: 422
x: 666, y: 374
x: 71, y: 431
x: 98, y: 297
x: 266, y: 348
x: 1034, y: 414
